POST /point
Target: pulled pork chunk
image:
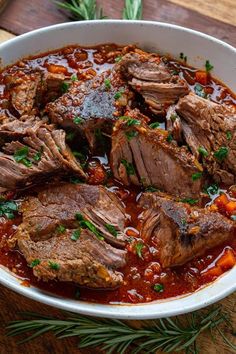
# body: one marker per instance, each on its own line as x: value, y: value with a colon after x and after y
x: 144, y: 156
x: 40, y: 152
x: 44, y: 213
x: 209, y: 130
x: 92, y: 106
x: 179, y: 231
x: 86, y: 261
x: 149, y: 76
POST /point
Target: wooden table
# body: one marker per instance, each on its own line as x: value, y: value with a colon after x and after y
x: 215, y: 17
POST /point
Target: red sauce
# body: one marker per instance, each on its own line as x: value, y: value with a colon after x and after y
x: 140, y: 274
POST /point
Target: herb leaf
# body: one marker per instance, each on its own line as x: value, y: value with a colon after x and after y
x: 34, y: 263
x: 133, y: 10
x: 21, y: 155
x: 159, y: 288
x: 8, y: 209
x: 107, y: 83
x: 129, y: 167
x: 221, y: 153
x: 189, y: 201
x: 53, y: 265
x: 65, y: 87
x: 202, y: 151
x: 75, y: 235
x: 228, y: 135
x: 151, y: 189
x: 196, y: 176
x: 154, y: 125
x: 111, y: 228
x: 169, y: 138
x: 208, y: 66
x: 138, y: 248
x: 77, y: 120
x: 86, y: 224
x: 199, y: 90
x: 131, y: 134
x: 82, y: 9
x: 60, y: 229
x: 212, y: 189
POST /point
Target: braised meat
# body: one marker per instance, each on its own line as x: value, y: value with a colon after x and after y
x: 182, y: 232
x: 210, y: 126
x: 91, y: 106
x: 144, y: 156
x: 86, y: 261
x: 149, y: 76
x: 59, y: 205
x: 41, y: 152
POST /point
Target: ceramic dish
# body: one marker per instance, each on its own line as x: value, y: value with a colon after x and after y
x: 154, y: 36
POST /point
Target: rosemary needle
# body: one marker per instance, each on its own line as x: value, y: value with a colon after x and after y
x: 82, y: 9
x: 133, y: 10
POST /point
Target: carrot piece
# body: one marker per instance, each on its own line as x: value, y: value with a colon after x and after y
x: 222, y: 200
x: 227, y: 260
x: 201, y: 77
x: 56, y: 69
x: 213, y: 272
x: 131, y: 233
x: 230, y: 207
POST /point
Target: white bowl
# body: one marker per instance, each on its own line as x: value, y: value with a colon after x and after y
x: 153, y: 36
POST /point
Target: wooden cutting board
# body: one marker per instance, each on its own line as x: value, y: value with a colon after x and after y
x: 11, y: 304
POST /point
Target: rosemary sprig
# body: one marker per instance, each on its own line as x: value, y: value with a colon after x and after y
x: 82, y: 9
x: 133, y: 10
x: 115, y: 336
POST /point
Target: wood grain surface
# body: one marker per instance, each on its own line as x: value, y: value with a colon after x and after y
x: 24, y: 15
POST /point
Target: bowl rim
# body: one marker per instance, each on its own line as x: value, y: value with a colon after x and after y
x: 158, y: 309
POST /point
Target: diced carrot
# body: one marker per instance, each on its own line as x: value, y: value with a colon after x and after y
x: 201, y: 77
x: 230, y: 207
x: 222, y: 200
x: 213, y: 272
x: 227, y: 261
x: 57, y: 69
x: 132, y: 233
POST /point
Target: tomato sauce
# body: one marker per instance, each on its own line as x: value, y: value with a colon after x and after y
x: 143, y: 271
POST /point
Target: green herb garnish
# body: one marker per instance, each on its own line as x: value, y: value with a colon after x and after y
x: 154, y: 125
x: 86, y: 224
x: 208, y: 66
x: 130, y: 121
x: 138, y: 248
x: 53, y: 265
x: 169, y: 138
x: 189, y: 201
x: 65, y: 87
x: 212, y: 189
x: 8, y: 209
x: 202, y: 151
x: 199, y: 90
x: 118, y: 59
x: 77, y: 120
x: 60, y: 229
x: 221, y: 153
x: 107, y: 83
x: 70, y: 136
x: 21, y: 156
x: 133, y: 10
x: 34, y: 263
x: 74, y: 77
x: 151, y: 189
x: 75, y: 180
x: 159, y: 288
x: 196, y: 176
x: 129, y: 167
x: 38, y: 155
x: 82, y: 9
x: 228, y: 135
x: 131, y: 134
x: 112, y: 229
x: 75, y: 235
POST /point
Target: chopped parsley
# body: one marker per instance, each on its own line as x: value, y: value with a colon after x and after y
x: 75, y: 180
x: 184, y: 222
x: 53, y: 265
x: 118, y: 59
x: 129, y: 167
x: 228, y: 135
x: 74, y: 77
x: 138, y: 248
x: 189, y: 201
x: 34, y: 263
x: 221, y: 153
x: 21, y: 156
x: 169, y: 138
x: 208, y: 66
x: 65, y: 87
x: 70, y: 136
x: 111, y: 228
x: 77, y: 120
x: 196, y: 176
x: 75, y: 235
x: 37, y: 156
x: 86, y: 224
x: 8, y: 209
x: 60, y: 229
x: 199, y: 90
x: 131, y: 134
x: 107, y: 83
x: 118, y: 94
x: 130, y: 121
x: 151, y: 189
x: 173, y: 117
x: 212, y: 189
x: 159, y: 288
x: 202, y: 151
x: 154, y: 125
